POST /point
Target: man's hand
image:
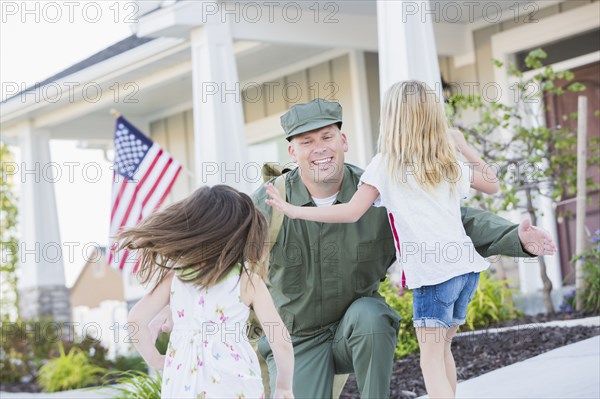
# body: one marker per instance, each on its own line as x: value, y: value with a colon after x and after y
x: 535, y: 240
x: 162, y: 322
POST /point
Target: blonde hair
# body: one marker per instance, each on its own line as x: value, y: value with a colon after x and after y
x: 203, y: 237
x: 413, y: 136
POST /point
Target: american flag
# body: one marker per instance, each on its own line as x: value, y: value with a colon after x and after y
x: 143, y: 176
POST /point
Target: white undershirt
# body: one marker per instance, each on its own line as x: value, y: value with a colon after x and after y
x: 319, y: 202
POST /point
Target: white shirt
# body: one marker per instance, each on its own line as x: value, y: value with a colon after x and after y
x: 319, y: 202
x: 431, y: 243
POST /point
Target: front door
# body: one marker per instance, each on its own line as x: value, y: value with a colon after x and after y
x: 564, y: 105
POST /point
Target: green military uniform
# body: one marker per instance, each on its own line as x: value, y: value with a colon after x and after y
x: 319, y: 271
x: 324, y: 280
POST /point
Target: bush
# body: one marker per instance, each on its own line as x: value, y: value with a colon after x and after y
x: 591, y: 275
x: 162, y: 342
x: 129, y: 363
x: 492, y: 303
x: 25, y: 346
x: 569, y: 302
x: 402, y: 303
x: 69, y: 371
x: 135, y: 384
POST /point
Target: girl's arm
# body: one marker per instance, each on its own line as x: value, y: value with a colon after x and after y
x: 484, y: 178
x: 162, y: 322
x: 256, y: 294
x: 142, y: 314
x: 342, y: 213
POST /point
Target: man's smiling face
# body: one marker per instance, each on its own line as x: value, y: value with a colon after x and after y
x: 320, y: 154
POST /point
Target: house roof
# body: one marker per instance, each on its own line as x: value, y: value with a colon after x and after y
x: 102, y: 251
x: 124, y: 45
x: 158, y: 7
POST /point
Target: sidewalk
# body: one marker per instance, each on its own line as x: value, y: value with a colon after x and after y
x: 104, y: 393
x: 572, y: 371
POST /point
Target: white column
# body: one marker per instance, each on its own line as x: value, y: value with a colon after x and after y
x: 41, y: 272
x: 360, y: 107
x: 406, y: 44
x: 220, y: 144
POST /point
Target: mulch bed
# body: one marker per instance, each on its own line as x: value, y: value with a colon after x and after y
x: 477, y: 354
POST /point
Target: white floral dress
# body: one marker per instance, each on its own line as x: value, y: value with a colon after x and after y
x: 209, y: 355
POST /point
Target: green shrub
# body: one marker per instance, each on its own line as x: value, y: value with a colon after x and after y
x: 129, y: 363
x: 162, y: 342
x: 25, y: 346
x: 491, y: 304
x: 68, y: 371
x: 13, y: 365
x: 569, y: 302
x: 134, y: 384
x: 402, y: 303
x: 591, y: 275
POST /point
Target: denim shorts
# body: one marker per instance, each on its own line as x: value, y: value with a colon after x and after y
x: 445, y: 304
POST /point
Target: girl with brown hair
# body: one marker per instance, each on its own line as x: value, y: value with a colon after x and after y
x: 206, y: 257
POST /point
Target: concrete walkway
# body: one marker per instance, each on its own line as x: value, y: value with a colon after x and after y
x: 572, y: 371
x: 104, y: 393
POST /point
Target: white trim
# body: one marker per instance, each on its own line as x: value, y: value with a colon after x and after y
x: 361, y: 113
x: 174, y: 110
x: 125, y: 62
x: 462, y: 60
x: 176, y: 19
x: 469, y: 57
x: 263, y: 129
x: 106, y: 73
x: 295, y: 67
x: 242, y: 46
x: 103, y: 73
x: 74, y: 110
x: 505, y: 45
x: 567, y: 64
x: 507, y: 15
x: 348, y: 31
x: 548, y: 30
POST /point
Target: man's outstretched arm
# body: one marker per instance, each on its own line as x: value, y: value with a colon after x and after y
x: 494, y: 235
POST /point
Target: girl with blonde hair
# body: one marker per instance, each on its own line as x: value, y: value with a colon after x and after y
x: 420, y: 177
x: 206, y: 257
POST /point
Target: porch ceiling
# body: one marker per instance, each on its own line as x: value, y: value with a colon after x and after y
x: 146, y: 92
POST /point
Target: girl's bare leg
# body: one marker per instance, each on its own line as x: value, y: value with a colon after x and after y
x: 432, y: 343
x: 449, y: 359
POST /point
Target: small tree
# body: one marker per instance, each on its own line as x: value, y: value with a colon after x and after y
x: 532, y: 159
x: 8, y: 243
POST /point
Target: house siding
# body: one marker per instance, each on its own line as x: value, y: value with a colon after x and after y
x: 91, y: 289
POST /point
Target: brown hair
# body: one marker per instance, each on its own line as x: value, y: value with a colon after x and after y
x: 203, y: 236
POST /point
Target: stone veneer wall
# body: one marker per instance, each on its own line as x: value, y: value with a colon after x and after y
x: 45, y: 301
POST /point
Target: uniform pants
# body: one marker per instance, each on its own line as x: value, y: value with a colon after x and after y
x: 362, y: 342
